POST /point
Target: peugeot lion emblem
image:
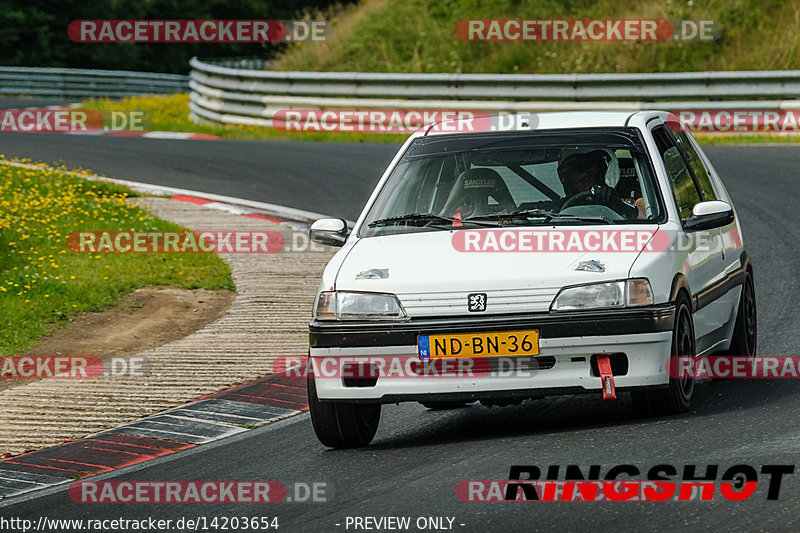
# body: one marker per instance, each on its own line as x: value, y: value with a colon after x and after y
x: 476, y: 302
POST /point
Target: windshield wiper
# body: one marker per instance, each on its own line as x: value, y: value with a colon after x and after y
x: 427, y: 216
x: 547, y: 215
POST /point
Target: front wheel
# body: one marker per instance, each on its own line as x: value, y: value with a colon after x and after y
x: 745, y: 330
x: 677, y: 397
x: 342, y: 425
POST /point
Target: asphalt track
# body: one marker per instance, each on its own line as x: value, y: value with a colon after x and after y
x: 330, y: 178
x: 419, y: 456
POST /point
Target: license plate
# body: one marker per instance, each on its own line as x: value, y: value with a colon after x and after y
x: 492, y: 344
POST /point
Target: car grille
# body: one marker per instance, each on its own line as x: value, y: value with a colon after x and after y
x: 497, y: 302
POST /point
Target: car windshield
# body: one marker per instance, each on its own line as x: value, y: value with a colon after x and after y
x: 560, y: 177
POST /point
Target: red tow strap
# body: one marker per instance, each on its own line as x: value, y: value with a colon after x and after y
x: 606, y: 377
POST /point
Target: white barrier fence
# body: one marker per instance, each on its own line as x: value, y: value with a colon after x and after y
x: 222, y: 94
x: 82, y: 83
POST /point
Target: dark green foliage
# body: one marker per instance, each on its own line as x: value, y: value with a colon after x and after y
x: 34, y: 32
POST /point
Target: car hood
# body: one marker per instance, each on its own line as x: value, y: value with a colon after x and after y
x: 431, y: 277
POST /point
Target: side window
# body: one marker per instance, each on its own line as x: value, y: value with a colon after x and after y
x: 683, y: 187
x: 700, y: 171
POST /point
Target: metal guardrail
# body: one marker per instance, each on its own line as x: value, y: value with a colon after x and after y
x: 249, y: 63
x: 82, y: 83
x: 222, y: 94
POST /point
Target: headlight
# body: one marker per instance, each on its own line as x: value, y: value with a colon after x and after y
x: 343, y: 305
x: 610, y: 295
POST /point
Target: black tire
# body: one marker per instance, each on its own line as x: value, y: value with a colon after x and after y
x: 441, y: 406
x: 677, y: 397
x: 501, y: 402
x: 745, y: 332
x: 342, y: 425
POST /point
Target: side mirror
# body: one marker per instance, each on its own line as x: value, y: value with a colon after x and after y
x: 709, y: 215
x: 330, y: 231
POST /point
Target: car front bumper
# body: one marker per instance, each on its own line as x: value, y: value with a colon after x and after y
x: 567, y: 343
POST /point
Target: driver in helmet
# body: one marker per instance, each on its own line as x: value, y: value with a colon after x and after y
x: 583, y: 178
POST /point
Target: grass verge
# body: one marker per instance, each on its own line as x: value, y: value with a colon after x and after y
x: 420, y: 36
x: 42, y: 283
x: 765, y: 138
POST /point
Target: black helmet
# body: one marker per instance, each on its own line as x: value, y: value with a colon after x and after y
x: 579, y: 171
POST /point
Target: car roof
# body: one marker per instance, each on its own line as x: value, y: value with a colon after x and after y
x: 556, y: 120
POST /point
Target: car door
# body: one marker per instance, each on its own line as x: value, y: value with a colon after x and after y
x: 724, y: 307
x: 701, y: 250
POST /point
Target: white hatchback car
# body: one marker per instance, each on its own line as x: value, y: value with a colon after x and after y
x: 578, y: 255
